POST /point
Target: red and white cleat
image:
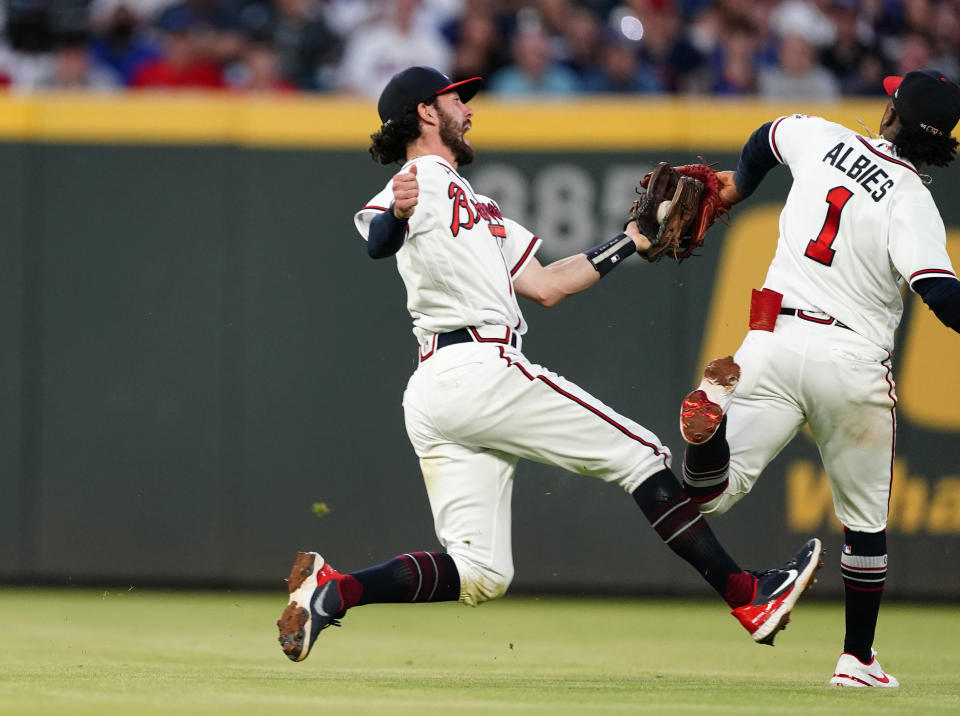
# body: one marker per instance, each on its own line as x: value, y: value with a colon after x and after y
x: 776, y: 593
x: 851, y: 671
x: 704, y: 408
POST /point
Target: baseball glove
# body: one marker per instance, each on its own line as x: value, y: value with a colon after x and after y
x: 676, y: 208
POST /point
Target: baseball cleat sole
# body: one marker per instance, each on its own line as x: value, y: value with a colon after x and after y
x: 295, y: 622
x: 704, y: 408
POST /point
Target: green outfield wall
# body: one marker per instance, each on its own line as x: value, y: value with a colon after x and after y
x: 196, y: 348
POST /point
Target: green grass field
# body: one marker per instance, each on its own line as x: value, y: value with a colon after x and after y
x: 144, y: 652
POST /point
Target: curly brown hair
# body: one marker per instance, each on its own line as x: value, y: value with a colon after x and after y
x: 388, y: 145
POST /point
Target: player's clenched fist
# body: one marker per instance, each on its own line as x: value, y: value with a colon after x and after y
x: 405, y: 193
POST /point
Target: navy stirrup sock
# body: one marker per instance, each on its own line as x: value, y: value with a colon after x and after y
x: 411, y: 577
x: 681, y: 526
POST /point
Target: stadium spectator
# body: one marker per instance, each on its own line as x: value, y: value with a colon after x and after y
x: 118, y: 39
x: 945, y: 47
x: 807, y: 18
x: 212, y: 26
x: 73, y: 67
x: 735, y: 59
x: 621, y: 70
x: 855, y: 59
x: 308, y: 50
x: 258, y: 70
x: 799, y: 76
x: 477, y: 39
x: 533, y: 71
x: 376, y: 52
x: 913, y: 53
x: 556, y: 18
x: 25, y: 57
x: 583, y: 41
x: 184, y: 63
x: 920, y: 17
x: 665, y: 46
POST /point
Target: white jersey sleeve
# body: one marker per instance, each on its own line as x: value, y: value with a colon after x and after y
x: 918, y: 239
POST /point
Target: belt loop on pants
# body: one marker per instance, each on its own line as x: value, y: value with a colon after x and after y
x: 814, y: 317
x: 470, y: 334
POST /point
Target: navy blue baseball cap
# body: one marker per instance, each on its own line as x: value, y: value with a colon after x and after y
x: 414, y: 85
x: 926, y: 98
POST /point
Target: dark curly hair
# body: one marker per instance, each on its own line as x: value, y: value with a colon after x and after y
x: 921, y: 147
x: 388, y: 145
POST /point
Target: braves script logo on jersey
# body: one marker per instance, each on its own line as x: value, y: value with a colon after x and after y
x: 466, y: 213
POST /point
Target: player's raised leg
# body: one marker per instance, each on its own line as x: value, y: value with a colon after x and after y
x: 755, y: 425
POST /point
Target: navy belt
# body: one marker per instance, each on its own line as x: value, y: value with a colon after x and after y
x: 800, y: 313
x: 463, y: 335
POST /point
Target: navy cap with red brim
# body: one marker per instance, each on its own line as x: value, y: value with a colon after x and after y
x: 927, y: 99
x: 414, y: 85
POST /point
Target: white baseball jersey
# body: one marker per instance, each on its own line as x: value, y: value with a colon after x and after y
x: 858, y: 222
x: 460, y: 255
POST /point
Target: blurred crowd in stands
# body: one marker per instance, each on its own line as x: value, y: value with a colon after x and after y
x: 798, y: 49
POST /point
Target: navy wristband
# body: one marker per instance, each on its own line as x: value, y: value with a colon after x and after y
x: 609, y: 254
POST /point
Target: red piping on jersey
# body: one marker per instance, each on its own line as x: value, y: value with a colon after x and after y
x: 575, y: 399
x: 523, y: 258
x: 371, y: 206
x: 880, y: 154
x: 922, y: 272
x: 448, y: 167
x: 773, y: 140
x: 893, y: 418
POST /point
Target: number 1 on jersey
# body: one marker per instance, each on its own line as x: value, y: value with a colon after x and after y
x: 819, y: 249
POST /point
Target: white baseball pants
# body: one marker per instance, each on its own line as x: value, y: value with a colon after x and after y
x: 471, y: 411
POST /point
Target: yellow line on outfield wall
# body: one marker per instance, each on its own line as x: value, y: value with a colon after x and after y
x: 318, y: 122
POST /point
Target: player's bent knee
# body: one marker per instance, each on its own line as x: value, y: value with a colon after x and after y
x: 482, y: 583
x: 737, y: 488
x: 718, y: 505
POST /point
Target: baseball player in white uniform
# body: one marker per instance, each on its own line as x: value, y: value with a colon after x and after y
x: 476, y: 404
x: 858, y: 224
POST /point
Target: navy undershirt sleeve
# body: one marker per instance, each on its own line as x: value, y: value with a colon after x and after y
x: 756, y: 159
x: 942, y: 295
x: 387, y: 234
